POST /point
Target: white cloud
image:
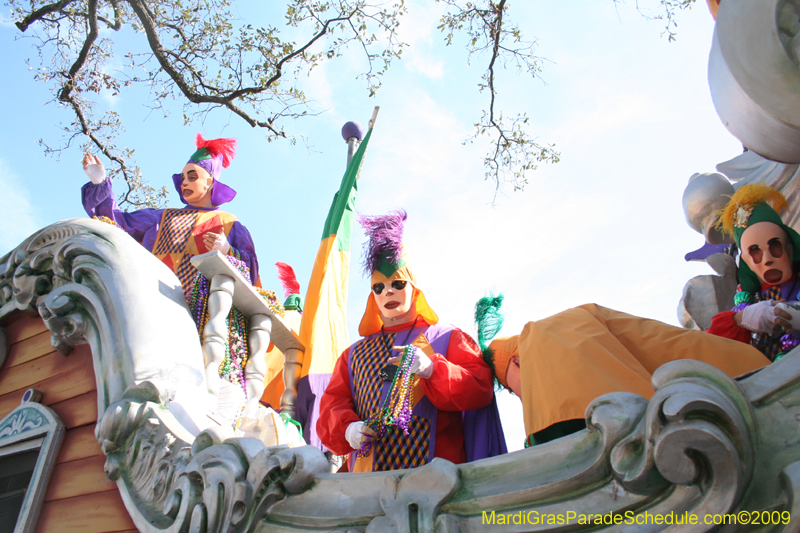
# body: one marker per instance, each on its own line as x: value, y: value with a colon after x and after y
x: 428, y: 66
x: 17, y: 221
x: 421, y: 35
x: 319, y: 88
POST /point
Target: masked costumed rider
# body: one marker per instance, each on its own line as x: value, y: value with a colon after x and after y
x: 770, y: 255
x: 558, y: 365
x: 176, y: 235
x: 388, y: 417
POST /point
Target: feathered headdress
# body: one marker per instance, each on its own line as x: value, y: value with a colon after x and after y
x: 749, y: 205
x: 489, y: 321
x: 213, y: 155
x: 386, y: 260
x: 383, y: 250
x: 222, y: 150
x: 288, y: 279
x: 291, y: 288
x: 737, y: 213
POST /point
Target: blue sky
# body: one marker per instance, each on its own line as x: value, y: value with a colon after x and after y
x: 629, y: 111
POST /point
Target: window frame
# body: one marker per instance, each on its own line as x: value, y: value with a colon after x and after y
x: 32, y: 426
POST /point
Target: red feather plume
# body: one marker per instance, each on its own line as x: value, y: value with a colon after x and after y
x: 226, y: 147
x: 288, y: 279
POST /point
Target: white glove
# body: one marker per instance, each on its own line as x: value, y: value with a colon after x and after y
x: 760, y: 317
x: 422, y: 365
x: 354, y: 436
x: 217, y: 242
x: 94, y: 169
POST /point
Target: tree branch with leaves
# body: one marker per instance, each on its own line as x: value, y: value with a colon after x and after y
x: 489, y: 31
x: 198, y: 53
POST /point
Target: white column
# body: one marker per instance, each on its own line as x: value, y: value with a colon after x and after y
x: 260, y: 331
x: 215, y: 334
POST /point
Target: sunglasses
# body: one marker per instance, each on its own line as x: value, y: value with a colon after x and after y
x: 775, y: 247
x: 397, y: 285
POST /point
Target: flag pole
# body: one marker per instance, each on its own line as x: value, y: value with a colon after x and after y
x: 354, y: 133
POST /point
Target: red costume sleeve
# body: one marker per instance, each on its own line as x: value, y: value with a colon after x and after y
x: 724, y: 325
x: 336, y: 409
x: 461, y: 382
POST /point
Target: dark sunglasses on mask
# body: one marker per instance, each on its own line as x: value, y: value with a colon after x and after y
x: 397, y: 285
x: 775, y: 247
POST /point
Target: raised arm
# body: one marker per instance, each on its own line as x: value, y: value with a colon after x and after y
x: 98, y: 201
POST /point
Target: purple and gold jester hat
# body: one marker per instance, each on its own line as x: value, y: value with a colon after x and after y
x: 213, y: 155
x: 386, y: 260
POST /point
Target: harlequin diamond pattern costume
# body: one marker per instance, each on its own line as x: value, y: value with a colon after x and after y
x: 176, y: 235
x: 454, y: 414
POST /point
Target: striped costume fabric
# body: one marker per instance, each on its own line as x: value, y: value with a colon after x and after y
x: 396, y: 449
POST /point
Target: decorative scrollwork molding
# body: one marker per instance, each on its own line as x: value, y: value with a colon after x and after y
x: 91, y: 283
x: 692, y: 447
x: 214, y: 484
x: 413, y: 502
x: 697, y: 431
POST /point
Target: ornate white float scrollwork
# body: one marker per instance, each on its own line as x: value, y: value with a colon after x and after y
x: 91, y: 282
x: 704, y: 444
x: 696, y: 431
x: 211, y: 484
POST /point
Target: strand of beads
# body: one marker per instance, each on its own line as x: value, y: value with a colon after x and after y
x: 106, y: 220
x: 789, y: 341
x: 232, y: 367
x: 397, y: 405
x: 401, y: 396
x: 272, y: 301
x: 198, y: 301
x: 236, y: 261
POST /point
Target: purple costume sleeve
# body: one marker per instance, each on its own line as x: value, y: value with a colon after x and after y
x: 242, y: 242
x: 483, y: 432
x: 142, y: 225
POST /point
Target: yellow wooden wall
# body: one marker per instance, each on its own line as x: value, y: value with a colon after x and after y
x: 79, y: 498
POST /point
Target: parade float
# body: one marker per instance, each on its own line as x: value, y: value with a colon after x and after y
x: 107, y: 419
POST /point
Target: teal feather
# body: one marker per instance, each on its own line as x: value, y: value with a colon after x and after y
x: 489, y: 319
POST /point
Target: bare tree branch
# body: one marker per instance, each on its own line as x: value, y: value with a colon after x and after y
x: 513, y: 152
x: 197, y: 53
x: 41, y: 13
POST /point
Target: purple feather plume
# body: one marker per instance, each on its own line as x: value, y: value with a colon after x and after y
x: 385, y: 238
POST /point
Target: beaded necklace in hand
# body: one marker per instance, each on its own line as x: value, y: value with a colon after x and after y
x: 789, y: 341
x: 398, y: 403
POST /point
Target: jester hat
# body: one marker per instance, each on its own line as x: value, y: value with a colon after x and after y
x: 386, y: 260
x: 291, y: 288
x: 749, y: 205
x: 212, y: 155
